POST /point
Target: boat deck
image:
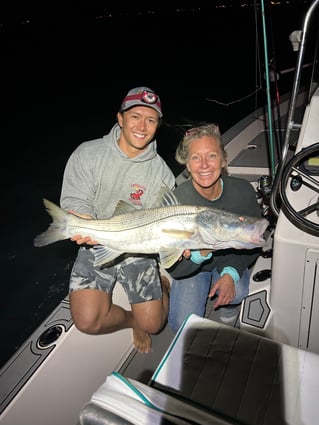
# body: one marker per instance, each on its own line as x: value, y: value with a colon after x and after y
x: 142, y: 366
x: 247, y: 143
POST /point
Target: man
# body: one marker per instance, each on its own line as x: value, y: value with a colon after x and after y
x: 123, y: 165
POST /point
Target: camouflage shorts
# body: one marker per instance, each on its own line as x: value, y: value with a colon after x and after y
x: 139, y: 276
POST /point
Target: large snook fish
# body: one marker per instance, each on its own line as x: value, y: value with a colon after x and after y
x: 167, y: 230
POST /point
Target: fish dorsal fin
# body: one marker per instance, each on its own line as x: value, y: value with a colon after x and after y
x: 123, y: 207
x: 167, y: 197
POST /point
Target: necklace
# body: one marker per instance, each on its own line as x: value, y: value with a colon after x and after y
x: 221, y: 190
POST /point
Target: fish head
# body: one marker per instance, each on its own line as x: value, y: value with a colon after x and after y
x: 228, y: 230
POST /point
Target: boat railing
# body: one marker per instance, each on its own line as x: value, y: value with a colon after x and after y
x: 291, y: 124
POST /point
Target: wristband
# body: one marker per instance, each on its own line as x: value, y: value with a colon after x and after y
x: 197, y: 258
x: 233, y: 273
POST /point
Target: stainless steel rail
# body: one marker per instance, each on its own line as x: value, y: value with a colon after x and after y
x: 291, y: 125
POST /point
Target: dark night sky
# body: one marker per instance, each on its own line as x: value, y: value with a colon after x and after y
x: 16, y: 10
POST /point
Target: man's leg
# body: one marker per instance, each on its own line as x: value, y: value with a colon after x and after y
x: 149, y: 317
x: 148, y: 295
x: 188, y: 296
x: 91, y: 297
x: 93, y: 313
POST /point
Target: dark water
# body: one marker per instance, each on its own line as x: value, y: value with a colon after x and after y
x: 64, y: 80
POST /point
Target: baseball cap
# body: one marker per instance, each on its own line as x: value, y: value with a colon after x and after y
x: 142, y: 96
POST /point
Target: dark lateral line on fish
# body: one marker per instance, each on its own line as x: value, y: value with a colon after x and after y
x: 123, y: 223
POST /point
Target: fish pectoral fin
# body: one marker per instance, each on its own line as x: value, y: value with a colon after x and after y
x: 103, y: 255
x: 168, y: 258
x: 178, y: 234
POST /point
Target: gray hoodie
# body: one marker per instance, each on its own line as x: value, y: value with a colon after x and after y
x: 98, y: 174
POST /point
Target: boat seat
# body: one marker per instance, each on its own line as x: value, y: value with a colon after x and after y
x: 215, y: 374
x: 246, y: 377
x: 126, y: 401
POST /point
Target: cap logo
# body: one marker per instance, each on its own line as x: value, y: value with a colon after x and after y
x: 149, y: 97
x: 140, y: 97
x: 146, y: 97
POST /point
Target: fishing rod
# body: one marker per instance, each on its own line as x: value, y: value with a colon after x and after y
x: 269, y: 104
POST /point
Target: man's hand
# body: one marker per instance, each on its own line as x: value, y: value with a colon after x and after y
x: 186, y: 254
x: 86, y: 216
x: 79, y: 239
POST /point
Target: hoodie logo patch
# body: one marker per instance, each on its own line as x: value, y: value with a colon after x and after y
x: 136, y: 194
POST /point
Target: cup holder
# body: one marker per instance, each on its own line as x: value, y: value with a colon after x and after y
x: 49, y: 336
x: 262, y: 275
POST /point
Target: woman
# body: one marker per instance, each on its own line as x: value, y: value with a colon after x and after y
x: 222, y: 274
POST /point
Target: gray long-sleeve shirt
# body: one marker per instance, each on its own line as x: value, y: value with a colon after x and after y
x: 98, y: 174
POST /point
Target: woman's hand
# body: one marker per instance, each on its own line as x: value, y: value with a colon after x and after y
x: 203, y: 252
x: 226, y: 291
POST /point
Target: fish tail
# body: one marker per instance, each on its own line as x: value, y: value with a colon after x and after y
x: 56, y: 231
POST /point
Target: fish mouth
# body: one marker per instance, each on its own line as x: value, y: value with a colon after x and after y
x: 262, y: 226
x: 253, y: 233
x: 258, y: 240
x: 259, y: 232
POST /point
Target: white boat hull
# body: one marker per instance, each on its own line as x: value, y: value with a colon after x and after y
x: 52, y: 391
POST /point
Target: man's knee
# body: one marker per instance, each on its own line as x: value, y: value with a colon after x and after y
x: 86, y: 322
x: 150, y: 320
x: 153, y: 327
x: 88, y: 310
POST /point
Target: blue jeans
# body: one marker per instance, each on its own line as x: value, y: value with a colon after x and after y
x: 190, y: 295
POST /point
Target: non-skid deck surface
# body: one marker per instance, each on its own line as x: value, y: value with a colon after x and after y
x: 142, y: 366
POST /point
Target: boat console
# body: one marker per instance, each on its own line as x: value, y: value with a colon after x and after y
x: 283, y: 303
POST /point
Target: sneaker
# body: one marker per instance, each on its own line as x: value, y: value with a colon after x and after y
x: 229, y: 313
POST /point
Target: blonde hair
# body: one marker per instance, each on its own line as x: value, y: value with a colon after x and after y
x: 210, y: 130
